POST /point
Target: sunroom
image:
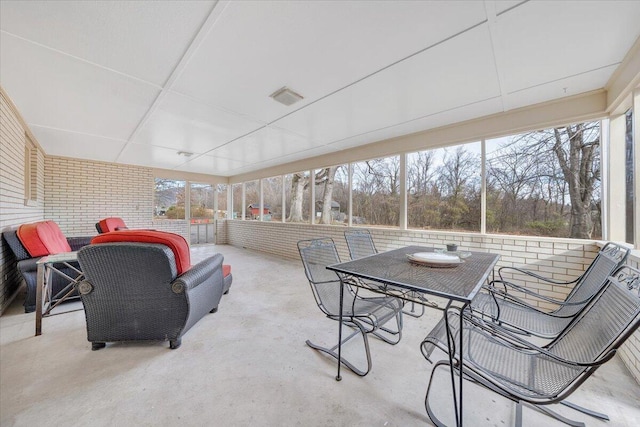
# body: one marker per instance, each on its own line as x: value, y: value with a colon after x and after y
x: 508, y: 127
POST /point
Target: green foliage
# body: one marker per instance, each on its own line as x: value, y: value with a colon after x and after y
x: 552, y: 227
x: 175, y: 212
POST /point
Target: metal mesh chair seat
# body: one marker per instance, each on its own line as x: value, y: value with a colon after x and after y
x: 363, y: 315
x: 523, y: 372
x: 522, y: 316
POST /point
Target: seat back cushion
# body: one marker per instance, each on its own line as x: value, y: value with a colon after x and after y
x: 175, y: 242
x: 43, y: 238
x: 111, y: 224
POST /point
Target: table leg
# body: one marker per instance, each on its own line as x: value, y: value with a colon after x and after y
x: 39, y: 300
x: 461, y: 367
x: 338, y: 377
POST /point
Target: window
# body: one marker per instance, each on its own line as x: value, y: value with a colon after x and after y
x: 201, y: 209
x: 545, y: 182
x: 272, y: 198
x: 443, y: 188
x: 376, y: 192
x: 297, y: 196
x: 236, y: 194
x: 629, y: 181
x: 221, y: 190
x: 169, y: 199
x: 252, y: 200
x: 332, y: 195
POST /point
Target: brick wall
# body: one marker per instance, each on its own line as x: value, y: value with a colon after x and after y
x: 558, y: 258
x: 13, y: 210
x: 178, y: 226
x: 78, y: 193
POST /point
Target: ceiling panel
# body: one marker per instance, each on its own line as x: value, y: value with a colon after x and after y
x: 211, y: 165
x: 313, y: 47
x: 267, y: 143
x: 141, y: 39
x: 196, y: 76
x: 61, y: 143
x: 560, y: 88
x: 299, y: 155
x: 539, y: 42
x: 151, y: 156
x: 61, y: 92
x: 444, y: 118
x: 189, y: 125
x: 436, y: 80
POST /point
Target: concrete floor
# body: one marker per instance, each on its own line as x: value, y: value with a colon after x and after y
x: 248, y: 365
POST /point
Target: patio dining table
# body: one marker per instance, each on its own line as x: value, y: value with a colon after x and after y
x: 393, y: 273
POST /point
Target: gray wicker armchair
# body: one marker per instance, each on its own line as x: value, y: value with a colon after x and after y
x: 26, y: 265
x: 132, y: 292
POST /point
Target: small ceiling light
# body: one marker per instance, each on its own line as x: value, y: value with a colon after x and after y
x: 185, y: 153
x: 286, y: 96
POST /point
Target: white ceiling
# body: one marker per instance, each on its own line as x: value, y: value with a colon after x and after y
x: 136, y: 82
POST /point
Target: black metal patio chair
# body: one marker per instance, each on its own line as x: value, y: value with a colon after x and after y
x: 515, y: 368
x: 361, y: 244
x: 364, y: 315
x: 519, y: 315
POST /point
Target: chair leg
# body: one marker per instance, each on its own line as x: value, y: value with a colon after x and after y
x: 413, y: 312
x: 97, y: 345
x: 357, y: 330
x: 173, y: 344
x: 585, y: 410
x: 397, y: 333
x: 214, y: 310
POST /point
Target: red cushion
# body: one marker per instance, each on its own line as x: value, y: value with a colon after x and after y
x: 226, y: 270
x: 111, y: 224
x: 43, y: 238
x: 175, y: 242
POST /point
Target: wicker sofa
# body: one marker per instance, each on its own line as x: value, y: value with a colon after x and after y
x: 139, y: 285
x: 26, y: 262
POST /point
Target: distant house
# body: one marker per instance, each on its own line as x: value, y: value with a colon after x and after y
x: 335, y: 209
x: 253, y: 210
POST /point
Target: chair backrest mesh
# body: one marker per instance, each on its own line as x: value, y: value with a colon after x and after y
x: 316, y: 255
x: 608, y: 320
x: 607, y: 260
x: 360, y: 243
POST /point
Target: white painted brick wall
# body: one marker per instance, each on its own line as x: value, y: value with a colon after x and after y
x: 13, y: 211
x: 79, y: 193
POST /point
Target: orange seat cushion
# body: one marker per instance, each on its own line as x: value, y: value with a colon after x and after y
x: 112, y: 224
x: 43, y: 238
x: 175, y: 242
x: 226, y: 270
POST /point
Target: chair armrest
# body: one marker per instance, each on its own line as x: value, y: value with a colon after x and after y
x: 505, y: 294
x: 28, y: 265
x: 78, y: 242
x: 537, y: 276
x: 198, y: 273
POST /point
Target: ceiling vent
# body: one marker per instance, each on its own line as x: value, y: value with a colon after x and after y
x: 286, y: 96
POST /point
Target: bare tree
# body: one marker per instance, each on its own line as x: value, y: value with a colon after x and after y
x: 459, y: 172
x: 571, y: 159
x: 326, y: 177
x: 299, y: 182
